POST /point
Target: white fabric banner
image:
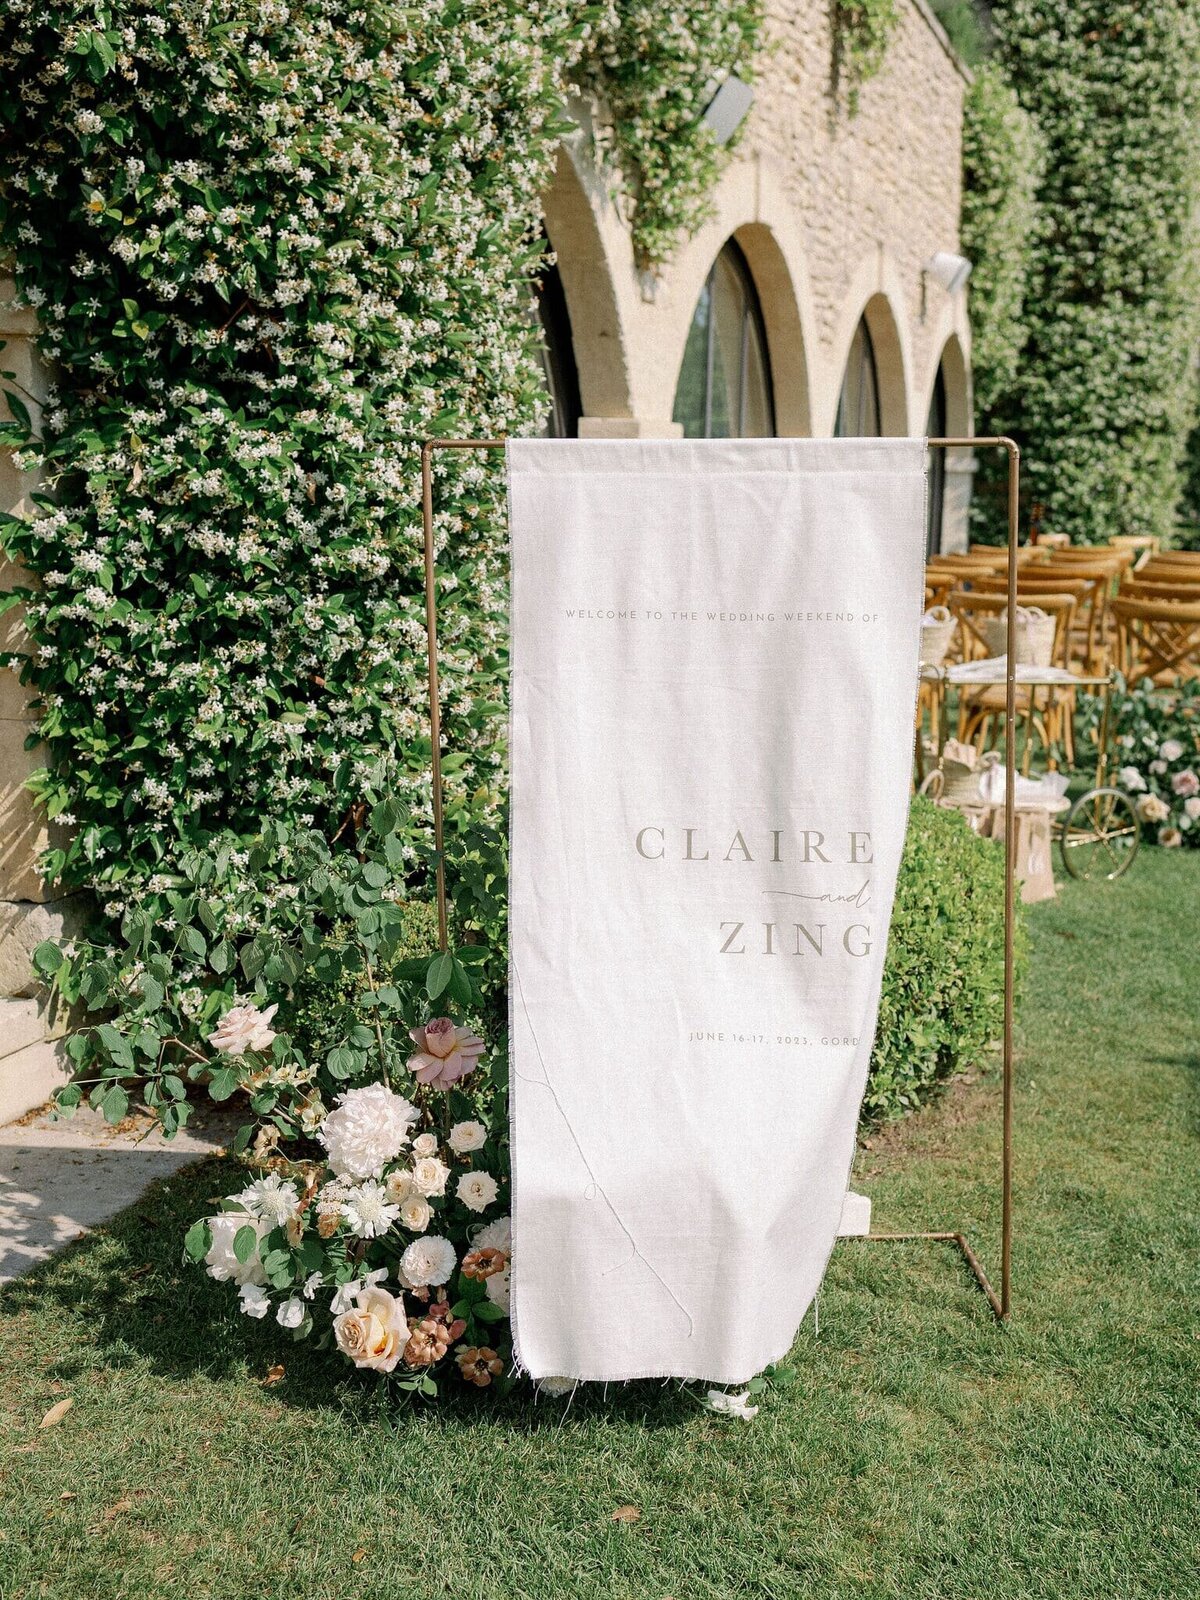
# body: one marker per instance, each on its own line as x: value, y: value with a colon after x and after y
x: 714, y: 671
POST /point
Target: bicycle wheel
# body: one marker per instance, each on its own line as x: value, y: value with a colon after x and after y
x: 1101, y: 834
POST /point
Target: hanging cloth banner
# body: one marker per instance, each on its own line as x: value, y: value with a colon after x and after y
x: 714, y: 672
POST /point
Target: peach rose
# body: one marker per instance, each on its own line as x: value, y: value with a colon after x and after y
x: 444, y: 1053
x: 375, y: 1332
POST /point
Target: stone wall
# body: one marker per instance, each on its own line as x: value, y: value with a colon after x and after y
x: 31, y: 1062
x: 837, y: 216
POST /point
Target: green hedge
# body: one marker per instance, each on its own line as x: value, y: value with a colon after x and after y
x: 943, y: 981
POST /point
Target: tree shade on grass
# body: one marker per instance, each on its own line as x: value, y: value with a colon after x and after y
x: 922, y: 1452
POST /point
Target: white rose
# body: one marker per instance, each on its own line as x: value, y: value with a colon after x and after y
x: 429, y: 1175
x: 1151, y: 809
x: 415, y: 1213
x: 243, y: 1028
x: 1170, y: 750
x: 400, y: 1186
x: 1192, y: 807
x: 291, y: 1313
x: 467, y: 1136
x: 1158, y: 768
x: 477, y: 1190
x: 1131, y: 778
x: 425, y: 1144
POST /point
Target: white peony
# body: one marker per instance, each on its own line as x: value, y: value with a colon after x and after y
x: 429, y: 1176
x: 496, y: 1236
x: 221, y: 1262
x: 291, y: 1313
x: 427, y: 1262
x: 243, y: 1028
x: 255, y: 1302
x: 415, y: 1213
x: 467, y: 1136
x: 367, y: 1128
x: 1170, y: 750
x: 425, y: 1144
x: 272, y: 1198
x: 368, y: 1211
x: 1131, y: 778
x: 477, y: 1190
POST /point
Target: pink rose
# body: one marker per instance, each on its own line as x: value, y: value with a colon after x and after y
x: 444, y: 1053
x: 1186, y: 782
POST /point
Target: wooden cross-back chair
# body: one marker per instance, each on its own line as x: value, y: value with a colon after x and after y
x: 981, y: 706
x: 1087, y: 627
x: 1181, y: 589
x: 1157, y: 639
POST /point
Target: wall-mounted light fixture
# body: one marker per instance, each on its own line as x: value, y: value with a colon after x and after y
x: 948, y: 271
x: 727, y: 109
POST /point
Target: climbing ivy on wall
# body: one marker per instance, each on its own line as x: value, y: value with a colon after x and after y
x: 269, y: 246
x: 862, y: 30
x: 655, y: 67
x: 1104, y: 390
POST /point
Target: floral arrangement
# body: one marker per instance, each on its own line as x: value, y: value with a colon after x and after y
x: 390, y: 1238
x: 1156, y: 735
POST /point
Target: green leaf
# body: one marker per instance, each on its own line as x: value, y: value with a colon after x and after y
x: 197, y: 1241
x: 223, y: 1083
x: 489, y: 1311
x: 47, y: 958
x: 152, y: 991
x: 244, y: 1243
x: 440, y: 971
x: 115, y: 1103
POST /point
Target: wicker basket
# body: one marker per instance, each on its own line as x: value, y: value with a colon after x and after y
x: 937, y: 630
x: 1035, y: 635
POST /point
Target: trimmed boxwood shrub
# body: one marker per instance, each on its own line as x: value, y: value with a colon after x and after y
x: 943, y: 981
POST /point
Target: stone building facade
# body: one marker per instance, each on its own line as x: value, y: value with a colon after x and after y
x: 802, y: 307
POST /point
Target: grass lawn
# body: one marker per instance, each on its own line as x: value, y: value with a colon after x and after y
x: 923, y: 1452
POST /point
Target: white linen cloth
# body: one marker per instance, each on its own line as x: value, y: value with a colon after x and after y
x: 714, y: 670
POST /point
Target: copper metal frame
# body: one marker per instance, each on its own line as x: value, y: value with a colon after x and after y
x: 1000, y: 1303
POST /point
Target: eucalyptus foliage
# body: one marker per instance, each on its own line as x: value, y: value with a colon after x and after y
x: 1105, y: 395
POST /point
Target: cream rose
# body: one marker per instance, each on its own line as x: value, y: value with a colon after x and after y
x: 374, y: 1333
x: 477, y: 1190
x: 467, y: 1136
x: 425, y: 1144
x: 429, y: 1176
x: 415, y: 1213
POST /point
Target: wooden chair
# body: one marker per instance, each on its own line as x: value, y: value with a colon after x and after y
x: 1088, y: 650
x: 1157, y: 639
x: 1186, y: 590
x: 981, y: 706
x: 1143, y: 545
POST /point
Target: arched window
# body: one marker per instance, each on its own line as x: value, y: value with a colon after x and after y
x: 724, y: 389
x: 558, y: 356
x: 935, y: 428
x: 858, y: 405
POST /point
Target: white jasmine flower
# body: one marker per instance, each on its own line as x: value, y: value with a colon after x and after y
x: 368, y: 1212
x: 243, y: 1027
x: 425, y: 1144
x: 255, y: 1302
x: 221, y: 1262
x: 477, y: 1190
x: 467, y: 1136
x: 427, y: 1262
x: 429, y: 1176
x: 731, y: 1405
x: 367, y: 1128
x: 291, y: 1313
